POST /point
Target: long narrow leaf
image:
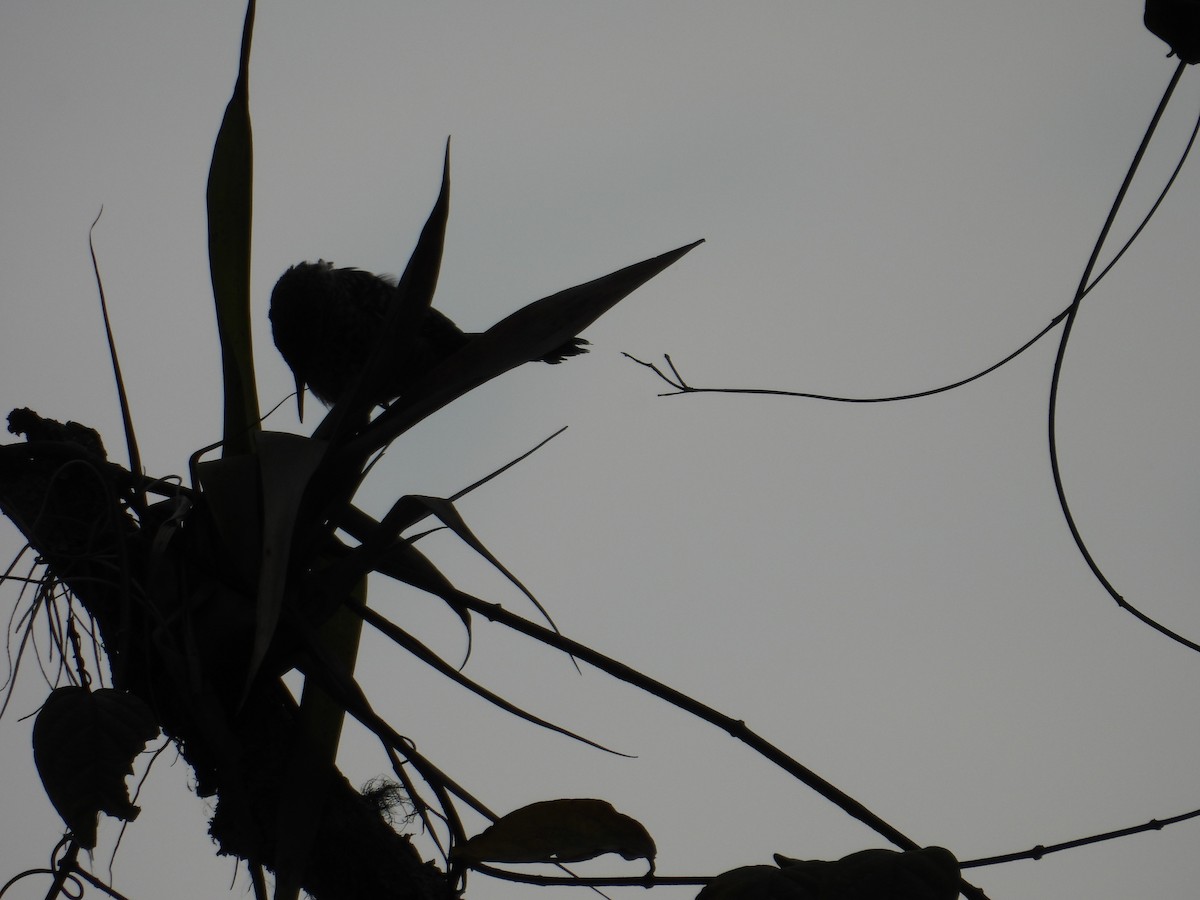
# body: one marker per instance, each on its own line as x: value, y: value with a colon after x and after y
x: 135, y: 459
x: 735, y: 727
x: 399, y: 560
x: 401, y: 326
x: 345, y: 690
x: 427, y: 656
x: 375, y: 537
x: 229, y: 214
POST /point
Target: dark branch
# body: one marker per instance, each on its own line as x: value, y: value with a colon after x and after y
x: 1039, y: 851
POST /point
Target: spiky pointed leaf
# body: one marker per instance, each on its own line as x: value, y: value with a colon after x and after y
x: 401, y: 327
x: 528, y: 334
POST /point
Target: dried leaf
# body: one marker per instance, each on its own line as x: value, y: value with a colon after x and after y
x: 84, y: 744
x: 558, y: 831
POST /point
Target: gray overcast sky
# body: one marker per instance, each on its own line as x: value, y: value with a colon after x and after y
x: 893, y: 195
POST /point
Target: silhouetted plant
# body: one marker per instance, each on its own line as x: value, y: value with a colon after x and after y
x: 199, y: 598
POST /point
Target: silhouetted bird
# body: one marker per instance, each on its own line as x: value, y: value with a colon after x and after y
x: 325, y: 322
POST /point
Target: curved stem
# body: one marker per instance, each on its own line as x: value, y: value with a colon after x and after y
x: 1056, y: 377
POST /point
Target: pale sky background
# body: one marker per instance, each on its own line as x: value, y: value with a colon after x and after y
x: 894, y: 195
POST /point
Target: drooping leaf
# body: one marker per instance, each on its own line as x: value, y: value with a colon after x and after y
x: 448, y: 514
x: 381, y: 550
x: 558, y: 831
x: 405, y: 563
x: 427, y: 656
x: 84, y: 744
x: 229, y: 195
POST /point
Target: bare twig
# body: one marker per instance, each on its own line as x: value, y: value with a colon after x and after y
x: 1040, y: 850
x: 1067, y: 316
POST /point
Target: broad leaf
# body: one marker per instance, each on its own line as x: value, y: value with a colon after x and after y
x: 449, y: 516
x: 287, y: 463
x: 382, y: 551
x: 84, y: 744
x: 558, y: 831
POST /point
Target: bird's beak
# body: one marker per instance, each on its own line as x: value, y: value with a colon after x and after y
x: 300, y: 398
